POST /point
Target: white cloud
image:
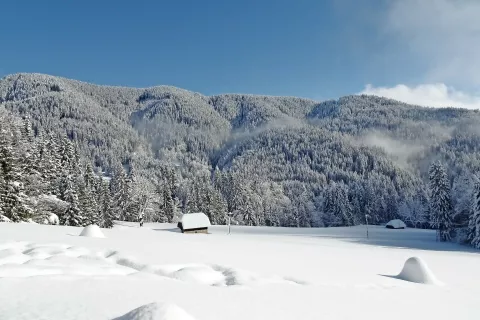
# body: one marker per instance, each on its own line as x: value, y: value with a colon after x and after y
x: 443, y: 36
x: 428, y: 95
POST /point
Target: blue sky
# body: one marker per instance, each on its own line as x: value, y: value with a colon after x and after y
x: 309, y: 48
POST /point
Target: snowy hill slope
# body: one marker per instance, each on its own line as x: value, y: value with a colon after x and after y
x: 289, y: 151
x: 49, y: 272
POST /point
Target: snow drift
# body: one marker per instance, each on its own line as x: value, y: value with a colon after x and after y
x: 92, y: 231
x: 157, y: 311
x: 416, y: 270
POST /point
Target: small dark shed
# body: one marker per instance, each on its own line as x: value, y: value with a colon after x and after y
x: 194, y: 223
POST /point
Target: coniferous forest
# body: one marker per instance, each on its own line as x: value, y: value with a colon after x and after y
x: 89, y: 154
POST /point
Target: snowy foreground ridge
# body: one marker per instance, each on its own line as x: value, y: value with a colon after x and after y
x: 155, y: 272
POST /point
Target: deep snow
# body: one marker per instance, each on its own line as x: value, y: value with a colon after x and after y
x: 49, y: 272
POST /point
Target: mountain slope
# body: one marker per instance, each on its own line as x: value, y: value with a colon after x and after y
x: 288, y: 150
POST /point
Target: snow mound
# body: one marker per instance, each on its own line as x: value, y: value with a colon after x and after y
x: 396, y: 224
x: 157, y: 311
x: 416, y: 270
x: 201, y: 274
x: 92, y: 231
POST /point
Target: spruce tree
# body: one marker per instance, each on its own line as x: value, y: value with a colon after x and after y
x: 67, y: 155
x: 90, y: 177
x: 73, y: 215
x: 15, y: 204
x: 135, y: 201
x: 329, y: 217
x: 440, y: 202
x: 337, y: 207
x: 53, y: 146
x: 216, y: 208
x: 474, y: 221
x: 168, y: 204
x: 88, y: 204
x: 107, y: 216
x: 27, y: 130
x: 218, y: 180
x: 343, y: 208
x: 120, y: 193
x: 462, y: 194
x: 29, y: 159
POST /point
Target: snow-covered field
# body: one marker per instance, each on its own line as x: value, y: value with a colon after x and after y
x: 50, y: 272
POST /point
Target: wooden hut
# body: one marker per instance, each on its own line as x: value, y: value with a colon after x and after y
x: 194, y: 223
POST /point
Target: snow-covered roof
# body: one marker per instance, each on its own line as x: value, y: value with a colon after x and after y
x: 195, y: 220
x: 396, y: 224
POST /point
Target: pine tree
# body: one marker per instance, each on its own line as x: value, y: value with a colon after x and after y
x: 73, y: 215
x: 168, y: 205
x: 120, y: 193
x: 49, y: 156
x: 329, y: 216
x: 218, y: 180
x: 194, y: 199
x: 53, y: 146
x: 474, y: 221
x: 90, y: 177
x: 462, y: 194
x: 134, y: 196
x: 14, y: 202
x: 213, y: 205
x: 337, y: 207
x: 29, y: 160
x: 343, y: 208
x: 440, y: 201
x: 370, y: 199
x: 88, y: 204
x: 27, y: 130
x: 107, y: 216
x: 246, y: 207
x: 67, y: 155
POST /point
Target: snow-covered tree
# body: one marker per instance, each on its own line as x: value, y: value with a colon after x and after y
x: 107, y: 215
x: 72, y: 216
x: 213, y: 205
x: 474, y: 219
x: 462, y: 193
x: 441, y: 210
x: 13, y: 200
x: 119, y: 187
x: 337, y: 207
x: 88, y: 204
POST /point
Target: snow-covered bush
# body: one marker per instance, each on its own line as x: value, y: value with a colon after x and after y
x: 4, y: 219
x: 52, y: 219
x: 48, y: 208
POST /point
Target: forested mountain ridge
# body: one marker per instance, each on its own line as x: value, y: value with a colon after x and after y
x: 271, y: 160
